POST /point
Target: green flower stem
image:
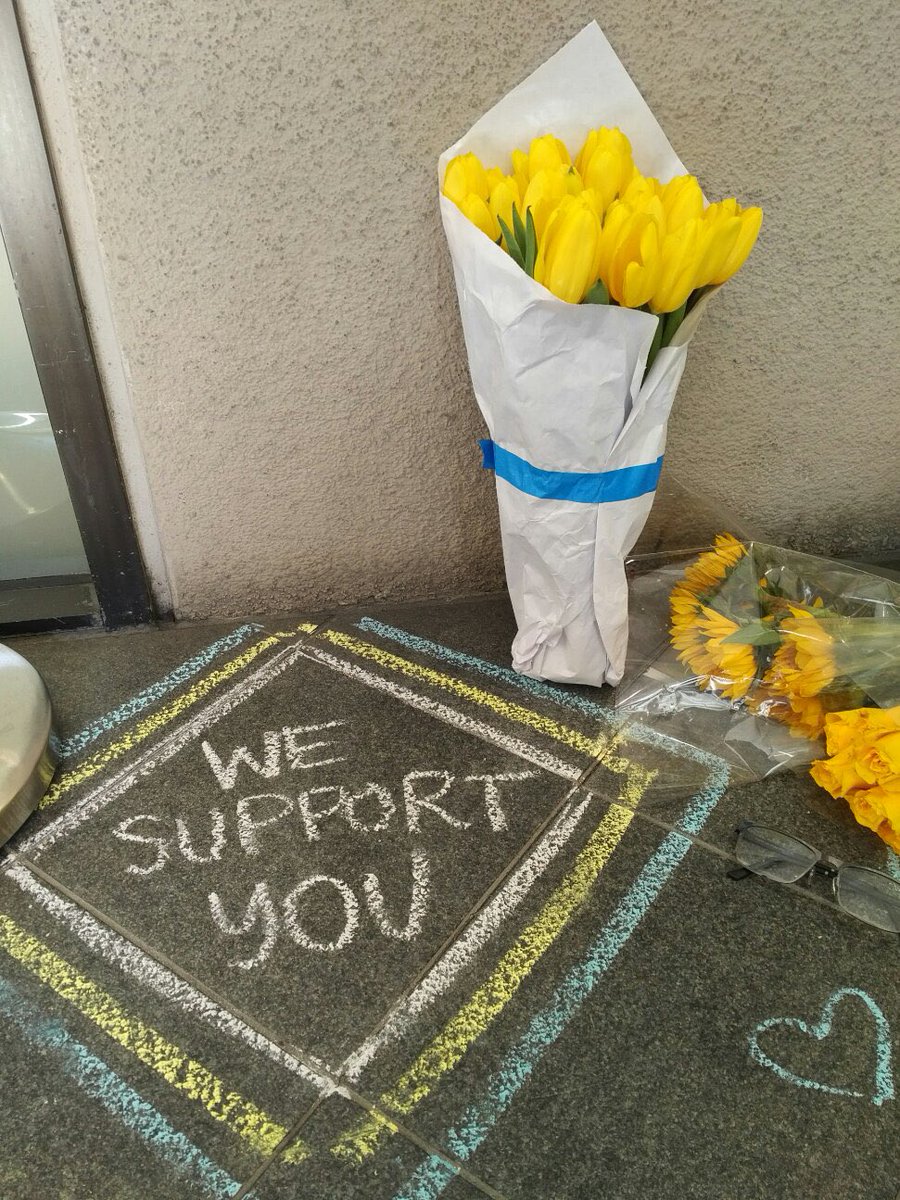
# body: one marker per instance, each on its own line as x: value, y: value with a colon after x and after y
x: 673, y: 324
x: 654, y: 345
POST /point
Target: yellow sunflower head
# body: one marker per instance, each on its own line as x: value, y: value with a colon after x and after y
x: 711, y: 568
x: 803, y: 666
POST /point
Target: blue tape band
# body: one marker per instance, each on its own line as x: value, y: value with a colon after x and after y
x: 585, y: 487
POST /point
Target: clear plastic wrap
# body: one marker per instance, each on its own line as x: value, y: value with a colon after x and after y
x: 741, y: 649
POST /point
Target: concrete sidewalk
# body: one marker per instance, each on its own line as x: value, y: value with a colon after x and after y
x: 344, y: 908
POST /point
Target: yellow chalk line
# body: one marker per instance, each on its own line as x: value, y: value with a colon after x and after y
x: 505, y: 708
x: 185, y: 1074
x: 447, y: 1048
x: 149, y: 725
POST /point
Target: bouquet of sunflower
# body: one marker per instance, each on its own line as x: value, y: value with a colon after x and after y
x: 584, y: 254
x: 772, y: 636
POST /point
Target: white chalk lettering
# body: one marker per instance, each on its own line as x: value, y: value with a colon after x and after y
x: 292, y: 920
x: 311, y: 816
x: 296, y: 754
x: 247, y: 826
x: 260, y: 911
x: 364, y: 809
x: 227, y: 775
x: 415, y: 803
x: 386, y: 807
x: 121, y: 831
x: 418, y: 905
x: 217, y: 844
x: 496, y: 815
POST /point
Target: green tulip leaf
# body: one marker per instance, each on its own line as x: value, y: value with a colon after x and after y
x: 511, y: 244
x: 519, y: 229
x: 596, y: 294
x: 530, y: 244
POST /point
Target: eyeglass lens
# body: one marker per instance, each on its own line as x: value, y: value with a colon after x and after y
x: 869, y: 895
x: 776, y: 855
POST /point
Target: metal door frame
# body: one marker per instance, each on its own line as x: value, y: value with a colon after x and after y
x: 51, y: 305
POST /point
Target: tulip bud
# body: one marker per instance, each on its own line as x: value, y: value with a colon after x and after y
x: 567, y: 256
x: 719, y: 232
x: 678, y: 267
x: 546, y: 153
x: 682, y: 200
x: 629, y: 254
x: 750, y: 219
x: 545, y: 191
x: 520, y: 170
x: 504, y: 197
x: 494, y: 176
x: 479, y: 214
x: 642, y: 263
x: 605, y: 164
x: 465, y: 176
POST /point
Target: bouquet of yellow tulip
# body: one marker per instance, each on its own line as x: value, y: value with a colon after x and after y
x: 597, y: 231
x: 580, y: 285
x: 773, y: 636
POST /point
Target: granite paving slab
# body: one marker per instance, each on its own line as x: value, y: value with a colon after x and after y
x: 684, y: 1034
x: 116, y: 1079
x: 307, y: 854
x: 320, y: 1176
x: 363, y: 850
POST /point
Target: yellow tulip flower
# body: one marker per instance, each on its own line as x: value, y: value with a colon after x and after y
x: 641, y: 189
x: 678, y: 267
x: 567, y: 256
x: 520, y: 170
x: 605, y: 164
x: 682, y: 200
x: 629, y: 259
x: 505, y: 196
x: 545, y: 191
x: 494, y: 176
x: 546, y: 153
x: 751, y: 220
x: 719, y: 231
x: 600, y: 219
x: 465, y: 176
x: 479, y: 214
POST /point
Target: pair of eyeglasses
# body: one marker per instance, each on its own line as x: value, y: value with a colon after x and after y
x: 871, y: 896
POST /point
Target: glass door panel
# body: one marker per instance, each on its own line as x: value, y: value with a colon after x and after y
x: 44, y: 573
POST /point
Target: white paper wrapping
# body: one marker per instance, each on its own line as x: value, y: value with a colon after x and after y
x: 559, y: 384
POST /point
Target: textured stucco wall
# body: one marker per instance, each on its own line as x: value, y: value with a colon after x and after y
x: 263, y: 182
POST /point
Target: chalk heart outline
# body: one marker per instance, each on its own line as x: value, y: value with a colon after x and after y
x: 883, y: 1079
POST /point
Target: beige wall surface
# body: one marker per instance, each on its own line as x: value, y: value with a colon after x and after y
x: 262, y: 178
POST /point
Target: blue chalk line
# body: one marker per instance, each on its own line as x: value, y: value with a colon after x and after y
x: 137, y: 704
x: 99, y: 1081
x: 884, y: 1080
x: 434, y: 1174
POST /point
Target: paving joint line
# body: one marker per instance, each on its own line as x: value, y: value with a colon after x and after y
x: 314, y: 1065
x: 465, y: 921
x: 805, y: 892
x: 492, y: 889
x: 293, y: 1132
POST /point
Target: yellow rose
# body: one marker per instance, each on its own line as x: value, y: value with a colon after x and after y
x: 837, y: 775
x: 864, y: 767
